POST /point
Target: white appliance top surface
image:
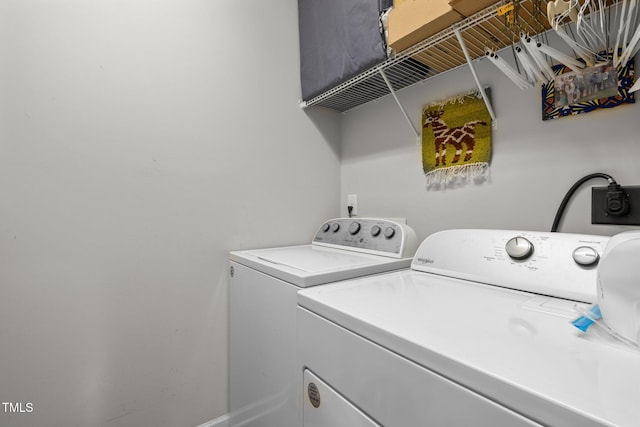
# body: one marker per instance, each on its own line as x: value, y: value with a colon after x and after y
x: 309, y: 265
x: 515, y: 347
x: 313, y: 260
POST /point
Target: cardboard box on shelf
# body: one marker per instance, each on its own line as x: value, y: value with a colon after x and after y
x: 469, y: 7
x: 411, y: 21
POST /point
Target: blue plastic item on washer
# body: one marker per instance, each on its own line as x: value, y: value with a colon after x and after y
x: 583, y: 322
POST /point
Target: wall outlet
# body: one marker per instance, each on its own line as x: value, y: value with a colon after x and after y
x: 599, y: 214
x: 352, y: 200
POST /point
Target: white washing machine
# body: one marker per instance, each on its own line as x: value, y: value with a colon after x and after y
x: 264, y: 375
x: 477, y: 333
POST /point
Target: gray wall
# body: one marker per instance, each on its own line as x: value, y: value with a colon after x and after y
x: 140, y: 141
x: 534, y: 163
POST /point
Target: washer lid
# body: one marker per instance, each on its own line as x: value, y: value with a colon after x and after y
x: 309, y: 265
x: 310, y: 259
x: 505, y: 344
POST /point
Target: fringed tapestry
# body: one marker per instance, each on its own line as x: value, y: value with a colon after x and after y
x: 456, y: 140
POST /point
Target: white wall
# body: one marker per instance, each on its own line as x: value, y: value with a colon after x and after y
x: 140, y: 141
x: 534, y: 163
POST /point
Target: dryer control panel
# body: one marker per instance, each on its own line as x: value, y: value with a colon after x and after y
x: 557, y: 264
x: 368, y: 235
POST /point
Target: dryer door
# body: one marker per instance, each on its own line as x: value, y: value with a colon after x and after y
x: 325, y: 407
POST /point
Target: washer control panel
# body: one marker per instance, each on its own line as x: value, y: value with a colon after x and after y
x: 369, y: 235
x: 556, y: 264
x: 519, y: 247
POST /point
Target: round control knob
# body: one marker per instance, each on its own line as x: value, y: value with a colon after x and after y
x: 375, y: 230
x: 389, y: 232
x: 325, y: 227
x: 354, y: 227
x: 335, y: 227
x: 586, y: 255
x: 519, y: 248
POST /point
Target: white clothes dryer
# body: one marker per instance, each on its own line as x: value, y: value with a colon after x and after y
x: 478, y: 332
x: 263, y: 383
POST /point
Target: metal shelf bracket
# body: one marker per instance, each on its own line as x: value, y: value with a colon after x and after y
x: 475, y: 76
x: 404, y: 112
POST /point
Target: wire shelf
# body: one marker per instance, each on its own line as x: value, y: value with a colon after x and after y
x: 435, y: 55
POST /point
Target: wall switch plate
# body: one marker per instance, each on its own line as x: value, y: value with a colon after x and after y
x: 598, y: 202
x: 352, y: 200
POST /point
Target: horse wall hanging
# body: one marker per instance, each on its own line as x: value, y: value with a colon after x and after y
x: 456, y: 140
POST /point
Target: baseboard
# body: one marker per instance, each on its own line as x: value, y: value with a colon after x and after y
x: 222, y: 421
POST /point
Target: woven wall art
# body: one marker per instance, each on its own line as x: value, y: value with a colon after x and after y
x: 456, y: 140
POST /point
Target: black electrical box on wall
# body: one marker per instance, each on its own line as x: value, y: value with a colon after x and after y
x: 604, y: 206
